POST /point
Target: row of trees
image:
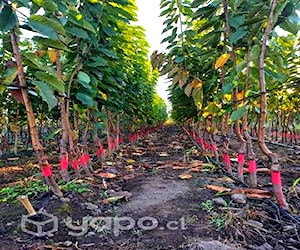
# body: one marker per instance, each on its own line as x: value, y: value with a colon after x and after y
x: 228, y: 65
x: 85, y: 69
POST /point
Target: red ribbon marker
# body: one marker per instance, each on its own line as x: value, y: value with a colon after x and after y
x: 252, y: 166
x: 226, y: 159
x: 241, y: 159
x: 120, y: 140
x: 111, y: 144
x: 47, y: 171
x: 64, y: 163
x: 75, y: 164
x: 214, y: 148
x: 87, y: 157
x: 276, y: 178
x: 100, y: 151
x: 82, y: 160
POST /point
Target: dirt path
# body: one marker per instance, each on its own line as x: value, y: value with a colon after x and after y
x: 161, y: 210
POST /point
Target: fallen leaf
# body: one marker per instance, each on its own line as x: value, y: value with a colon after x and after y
x: 130, y: 161
x: 137, y: 154
x: 185, y: 176
x: 226, y: 179
x: 259, y: 170
x: 107, y: 175
x: 112, y: 199
x: 259, y: 196
x: 196, y: 170
x: 163, y: 154
x: 195, y: 164
x: 115, y: 196
x: 129, y: 168
x: 128, y: 177
x: 208, y: 165
x: 218, y: 188
x: 179, y: 167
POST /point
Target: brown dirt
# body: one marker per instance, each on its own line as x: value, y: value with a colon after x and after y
x: 145, y: 169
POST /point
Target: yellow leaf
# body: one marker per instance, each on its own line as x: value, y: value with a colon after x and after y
x: 240, y: 95
x: 78, y: 17
x: 222, y: 60
x: 52, y: 55
x: 94, y: 1
x: 227, y: 97
x: 104, y: 96
x: 205, y: 114
x: 40, y: 53
x: 130, y: 161
x: 15, y: 128
x: 197, y: 83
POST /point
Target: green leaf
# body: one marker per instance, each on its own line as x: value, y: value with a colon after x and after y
x: 281, y: 77
x: 8, y: 19
x: 238, y: 114
x: 34, y: 61
x: 198, y: 97
x: 51, y: 43
x: 290, y: 27
x: 77, y: 19
x: 46, y: 26
x: 84, y: 79
x: 296, y: 182
x: 236, y: 21
x: 46, y: 92
x: 85, y: 99
x: 46, y: 4
x: 197, y: 3
x: 241, y: 66
x: 239, y: 34
x: 98, y: 62
x: 75, y: 31
x: 52, y: 80
x: 9, y: 75
x: 109, y: 31
x: 109, y: 53
x: 227, y: 88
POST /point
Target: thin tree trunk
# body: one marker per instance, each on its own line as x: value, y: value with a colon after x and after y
x: 64, y: 158
x: 33, y: 130
x: 275, y: 167
x: 251, y: 157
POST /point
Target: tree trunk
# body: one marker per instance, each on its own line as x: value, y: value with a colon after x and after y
x: 275, y: 167
x: 36, y: 144
x: 64, y: 158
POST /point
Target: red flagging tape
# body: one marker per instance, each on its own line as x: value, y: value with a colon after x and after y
x: 226, y: 159
x: 214, y: 148
x: 75, y: 164
x: 111, y: 143
x: 100, y: 151
x: 120, y: 140
x: 252, y: 166
x: 47, y: 171
x: 82, y: 160
x: 207, y: 146
x: 241, y: 159
x: 64, y: 163
x: 87, y: 157
x: 276, y: 178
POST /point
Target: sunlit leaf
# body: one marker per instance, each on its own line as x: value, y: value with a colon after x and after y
x: 222, y: 60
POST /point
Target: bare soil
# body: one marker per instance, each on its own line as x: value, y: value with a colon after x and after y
x: 168, y: 212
